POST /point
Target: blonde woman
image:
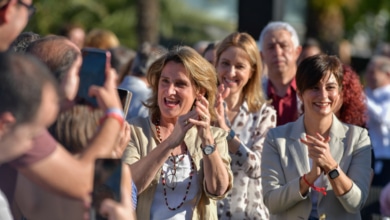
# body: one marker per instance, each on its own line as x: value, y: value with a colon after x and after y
x: 246, y: 116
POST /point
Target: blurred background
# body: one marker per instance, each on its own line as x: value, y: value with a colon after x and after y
x: 350, y: 28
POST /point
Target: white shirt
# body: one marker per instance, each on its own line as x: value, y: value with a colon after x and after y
x: 5, y: 213
x: 175, y: 196
x: 378, y: 109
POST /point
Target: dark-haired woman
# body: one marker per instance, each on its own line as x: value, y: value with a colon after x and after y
x: 317, y: 167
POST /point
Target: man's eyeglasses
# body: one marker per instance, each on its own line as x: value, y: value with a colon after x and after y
x: 30, y: 7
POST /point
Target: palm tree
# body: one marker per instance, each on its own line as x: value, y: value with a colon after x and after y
x: 325, y: 22
x: 147, y: 24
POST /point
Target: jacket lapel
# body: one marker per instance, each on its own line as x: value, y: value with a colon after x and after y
x: 298, y: 150
x: 336, y: 144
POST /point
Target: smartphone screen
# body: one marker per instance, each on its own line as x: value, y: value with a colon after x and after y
x: 125, y: 97
x: 106, y: 184
x: 92, y: 72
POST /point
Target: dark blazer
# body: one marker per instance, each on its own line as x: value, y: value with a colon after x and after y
x: 285, y: 160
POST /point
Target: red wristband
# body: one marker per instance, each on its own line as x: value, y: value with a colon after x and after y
x: 318, y: 189
x: 116, y: 116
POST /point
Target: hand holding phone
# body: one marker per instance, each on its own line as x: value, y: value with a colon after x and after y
x: 125, y: 210
x: 93, y: 70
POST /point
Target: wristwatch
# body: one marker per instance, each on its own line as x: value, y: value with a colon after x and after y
x: 230, y: 135
x: 208, y: 149
x: 333, y: 174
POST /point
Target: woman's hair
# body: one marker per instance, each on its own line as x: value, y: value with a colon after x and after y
x: 200, y: 72
x: 210, y: 46
x: 353, y: 109
x: 252, y: 91
x: 311, y: 70
x: 76, y: 126
x: 102, y: 39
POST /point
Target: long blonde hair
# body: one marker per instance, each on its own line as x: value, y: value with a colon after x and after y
x: 252, y: 91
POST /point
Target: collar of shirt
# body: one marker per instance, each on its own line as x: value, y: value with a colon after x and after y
x: 271, y: 92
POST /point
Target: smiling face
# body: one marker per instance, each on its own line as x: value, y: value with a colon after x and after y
x: 176, y: 92
x: 234, y: 69
x: 322, y: 99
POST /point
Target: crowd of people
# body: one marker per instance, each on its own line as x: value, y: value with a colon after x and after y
x: 229, y: 129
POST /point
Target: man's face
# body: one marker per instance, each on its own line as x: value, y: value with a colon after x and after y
x: 375, y: 76
x: 18, y: 15
x: 18, y: 139
x: 279, y: 53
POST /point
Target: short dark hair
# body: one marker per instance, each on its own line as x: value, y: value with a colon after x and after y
x: 120, y: 57
x: 22, y: 79
x: 145, y: 56
x: 311, y: 70
x: 24, y: 39
x: 58, y: 55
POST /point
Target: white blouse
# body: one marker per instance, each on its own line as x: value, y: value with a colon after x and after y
x: 245, y: 201
x: 175, y: 188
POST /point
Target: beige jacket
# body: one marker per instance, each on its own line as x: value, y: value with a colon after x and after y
x: 143, y: 140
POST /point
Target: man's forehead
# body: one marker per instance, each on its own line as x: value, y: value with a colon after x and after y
x: 279, y: 35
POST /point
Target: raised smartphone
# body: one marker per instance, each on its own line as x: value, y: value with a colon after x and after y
x: 106, y: 184
x: 125, y: 97
x: 92, y: 72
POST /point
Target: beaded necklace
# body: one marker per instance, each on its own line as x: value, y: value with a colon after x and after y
x: 173, y: 180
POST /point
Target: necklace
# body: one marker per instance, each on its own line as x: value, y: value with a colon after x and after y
x: 172, y: 176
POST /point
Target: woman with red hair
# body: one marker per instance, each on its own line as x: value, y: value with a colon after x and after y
x: 352, y: 108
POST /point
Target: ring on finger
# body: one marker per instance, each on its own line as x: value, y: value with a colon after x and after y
x: 203, y: 117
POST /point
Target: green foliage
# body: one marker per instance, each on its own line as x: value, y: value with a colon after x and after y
x: 184, y: 25
x: 177, y: 23
x: 116, y: 15
x: 369, y: 16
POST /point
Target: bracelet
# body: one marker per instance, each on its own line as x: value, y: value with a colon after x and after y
x: 114, y: 116
x: 231, y: 135
x: 318, y: 189
x: 115, y: 110
x: 114, y: 113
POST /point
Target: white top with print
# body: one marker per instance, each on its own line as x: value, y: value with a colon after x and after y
x: 251, y: 129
